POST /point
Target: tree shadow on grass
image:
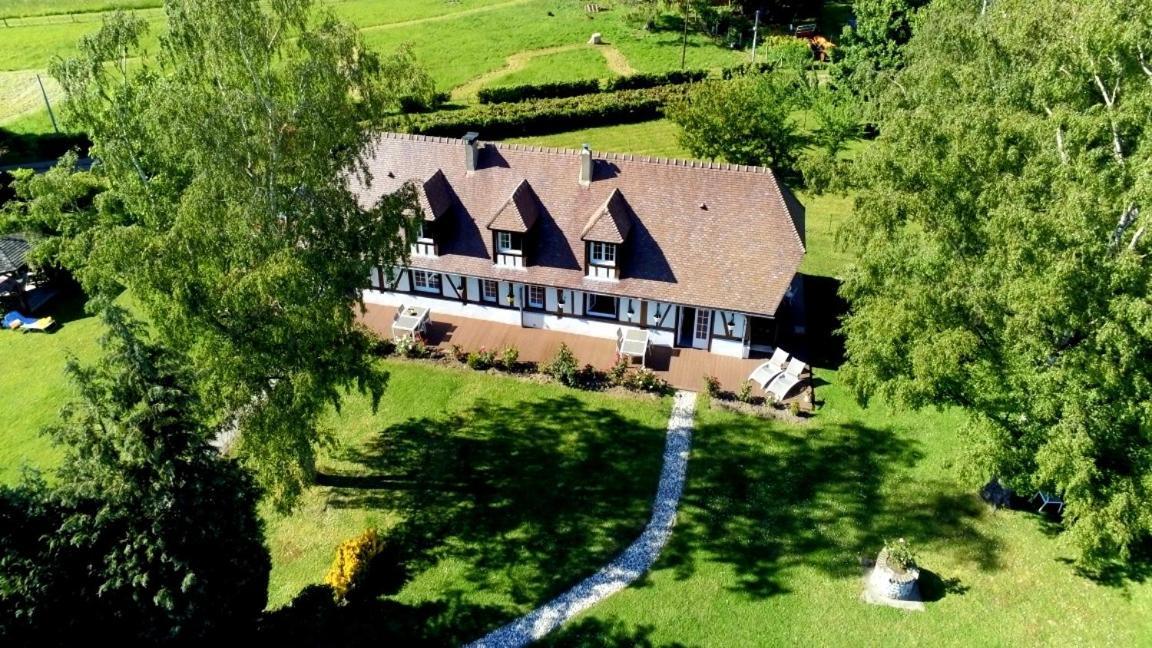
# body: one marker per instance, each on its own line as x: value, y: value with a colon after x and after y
x: 765, y: 500
x: 529, y: 497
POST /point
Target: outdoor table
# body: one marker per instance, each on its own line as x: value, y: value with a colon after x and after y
x: 409, y: 321
x: 635, y: 344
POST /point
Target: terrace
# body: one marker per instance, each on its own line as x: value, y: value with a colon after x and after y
x: 682, y: 368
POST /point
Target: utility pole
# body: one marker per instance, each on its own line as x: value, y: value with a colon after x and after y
x: 48, y: 103
x: 755, y: 35
x: 684, y: 40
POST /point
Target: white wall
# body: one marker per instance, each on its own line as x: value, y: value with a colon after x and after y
x: 733, y: 348
x: 444, y: 306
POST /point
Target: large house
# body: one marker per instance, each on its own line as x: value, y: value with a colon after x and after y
x: 700, y: 254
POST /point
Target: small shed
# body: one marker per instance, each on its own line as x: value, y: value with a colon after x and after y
x: 17, y: 285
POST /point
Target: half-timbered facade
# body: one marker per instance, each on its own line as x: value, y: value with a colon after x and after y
x: 701, y: 255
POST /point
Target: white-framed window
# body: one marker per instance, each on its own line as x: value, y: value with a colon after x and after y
x: 703, y: 324
x: 603, y: 254
x: 509, y: 243
x: 536, y: 296
x: 425, y: 281
x: 424, y: 232
x: 601, y: 306
x: 489, y: 290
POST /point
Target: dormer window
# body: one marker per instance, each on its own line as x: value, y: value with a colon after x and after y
x: 509, y: 243
x: 605, y: 232
x: 512, y: 225
x: 602, y: 254
x: 424, y: 232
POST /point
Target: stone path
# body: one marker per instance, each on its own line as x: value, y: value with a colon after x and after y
x: 628, y: 566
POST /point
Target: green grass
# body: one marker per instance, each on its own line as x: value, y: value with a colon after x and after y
x: 19, y: 8
x: 656, y: 138
x: 33, y: 386
x: 503, y: 491
x: 776, y: 517
x: 456, y: 42
x: 572, y: 65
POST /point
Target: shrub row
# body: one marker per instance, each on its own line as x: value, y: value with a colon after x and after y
x: 22, y: 147
x: 542, y: 116
x: 562, y: 89
x: 512, y: 94
x: 642, y: 80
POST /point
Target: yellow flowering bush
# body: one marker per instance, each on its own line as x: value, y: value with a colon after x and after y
x: 353, y: 559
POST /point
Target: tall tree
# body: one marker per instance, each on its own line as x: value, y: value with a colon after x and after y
x: 1003, y: 257
x: 147, y: 533
x: 874, y: 47
x: 225, y: 209
x: 746, y: 120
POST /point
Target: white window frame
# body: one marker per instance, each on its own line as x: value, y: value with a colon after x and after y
x: 504, y: 244
x: 427, y: 281
x: 615, y: 311
x: 533, y: 292
x: 495, y: 285
x: 422, y: 233
x: 598, y: 254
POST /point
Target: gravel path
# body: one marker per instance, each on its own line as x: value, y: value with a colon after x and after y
x: 628, y: 566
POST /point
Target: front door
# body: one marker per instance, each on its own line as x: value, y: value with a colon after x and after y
x: 703, y: 328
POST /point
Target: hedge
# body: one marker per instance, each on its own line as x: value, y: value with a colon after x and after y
x: 542, y: 116
x: 510, y: 94
x: 17, y: 148
x: 637, y: 81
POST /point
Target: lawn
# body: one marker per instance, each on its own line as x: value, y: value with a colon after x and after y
x: 776, y: 517
x: 503, y: 492
x: 577, y: 64
x: 33, y: 385
x: 461, y: 42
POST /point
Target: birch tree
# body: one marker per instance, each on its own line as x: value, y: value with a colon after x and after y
x: 1003, y: 259
x: 224, y: 206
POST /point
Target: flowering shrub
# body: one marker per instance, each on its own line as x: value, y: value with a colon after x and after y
x: 482, y: 359
x: 509, y: 357
x: 745, y: 395
x: 412, y: 347
x: 712, y: 386
x: 619, y: 370
x: 563, y: 366
x: 459, y: 353
x: 353, y: 558
x: 646, y: 380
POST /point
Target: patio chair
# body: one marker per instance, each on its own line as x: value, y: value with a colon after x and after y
x: 399, y: 312
x: 1047, y: 499
x: 783, y: 383
x: 15, y: 321
x: 764, y: 374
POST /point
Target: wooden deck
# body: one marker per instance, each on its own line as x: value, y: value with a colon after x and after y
x: 683, y: 368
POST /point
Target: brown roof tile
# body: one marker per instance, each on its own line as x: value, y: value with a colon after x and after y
x: 434, y: 195
x: 611, y: 222
x: 701, y: 233
x: 519, y: 213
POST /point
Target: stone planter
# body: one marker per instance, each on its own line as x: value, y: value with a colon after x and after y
x: 892, y: 581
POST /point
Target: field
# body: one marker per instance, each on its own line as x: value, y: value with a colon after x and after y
x: 464, y: 44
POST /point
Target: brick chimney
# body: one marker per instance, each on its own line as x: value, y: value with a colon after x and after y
x: 586, y: 165
x: 471, y: 151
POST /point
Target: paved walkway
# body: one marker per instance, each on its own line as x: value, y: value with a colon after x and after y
x: 628, y: 566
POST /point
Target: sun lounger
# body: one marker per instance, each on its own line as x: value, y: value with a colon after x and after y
x: 14, y: 321
x: 764, y: 374
x: 789, y: 378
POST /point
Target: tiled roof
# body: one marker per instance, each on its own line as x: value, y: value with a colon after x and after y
x: 703, y: 234
x: 13, y: 249
x: 434, y: 195
x: 519, y: 213
x: 611, y: 222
